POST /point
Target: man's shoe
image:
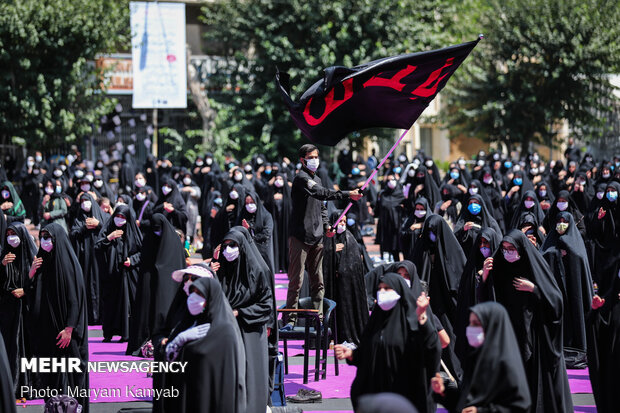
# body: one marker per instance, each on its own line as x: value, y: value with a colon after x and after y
x: 288, y: 327
x: 306, y: 396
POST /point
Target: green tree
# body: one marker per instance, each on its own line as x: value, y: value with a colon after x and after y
x: 303, y: 37
x: 50, y: 89
x: 541, y: 62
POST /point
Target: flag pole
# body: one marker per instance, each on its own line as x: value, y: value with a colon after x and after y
x: 372, y: 175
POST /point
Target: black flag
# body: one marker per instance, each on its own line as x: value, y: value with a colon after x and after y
x: 391, y: 92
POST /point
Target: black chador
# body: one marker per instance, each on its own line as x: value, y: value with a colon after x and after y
x: 122, y: 254
x: 162, y: 253
x: 84, y: 234
x: 58, y: 309
x: 17, y: 256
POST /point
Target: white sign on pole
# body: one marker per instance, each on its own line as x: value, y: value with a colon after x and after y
x: 158, y: 54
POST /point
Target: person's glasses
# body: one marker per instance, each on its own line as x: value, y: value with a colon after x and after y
x: 187, y: 277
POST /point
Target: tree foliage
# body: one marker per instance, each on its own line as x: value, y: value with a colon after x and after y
x: 542, y: 61
x: 303, y: 37
x: 50, y: 89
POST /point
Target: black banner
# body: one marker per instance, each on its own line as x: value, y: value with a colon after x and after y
x: 391, y: 92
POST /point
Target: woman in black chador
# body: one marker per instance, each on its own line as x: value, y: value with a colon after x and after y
x: 279, y: 204
x: 522, y: 281
x: 17, y: 256
x: 473, y: 218
x: 247, y: 285
x: 84, y: 234
x: 399, y: 351
x: 389, y: 210
x: 208, y: 339
x: 57, y: 300
x: 486, y: 244
x: 604, y: 339
x: 494, y: 378
x: 162, y: 253
x: 120, y: 240
x: 256, y: 219
x: 565, y: 253
x: 440, y: 262
x: 343, y: 272
x: 171, y: 204
x: 412, y: 226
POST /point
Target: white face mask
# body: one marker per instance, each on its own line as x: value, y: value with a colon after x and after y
x: 475, y: 336
x: 562, y: 206
x: 485, y: 251
x: 166, y: 190
x: 5, y: 194
x: 420, y: 213
x: 231, y: 253
x: 119, y: 222
x: 387, y: 299
x: 187, y: 180
x: 58, y: 189
x: 13, y: 240
x: 195, y: 304
x: 209, y: 161
x: 542, y: 193
x: 86, y: 206
x: 47, y: 244
x: 511, y: 256
x: 140, y: 182
x: 85, y: 187
x: 528, y: 204
x: 140, y: 196
x: 234, y: 195
x: 341, y: 227
x: 38, y: 158
x: 57, y: 173
x: 411, y: 172
x: 312, y: 164
x: 488, y: 180
x: 238, y: 177
x: 48, y: 190
x: 391, y: 184
x: 251, y: 208
x: 279, y: 183
x: 199, y: 162
x: 600, y: 195
x: 473, y: 191
x: 98, y: 183
x: 79, y: 173
x: 428, y: 163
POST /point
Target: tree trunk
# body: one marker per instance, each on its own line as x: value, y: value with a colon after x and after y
x: 200, y: 99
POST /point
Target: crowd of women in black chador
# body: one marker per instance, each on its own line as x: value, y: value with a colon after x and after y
x: 540, y: 239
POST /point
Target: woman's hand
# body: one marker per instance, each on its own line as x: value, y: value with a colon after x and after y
x: 10, y: 257
x: 597, y: 302
x: 18, y: 292
x: 117, y: 233
x: 437, y: 384
x: 35, y: 266
x: 64, y: 337
x: 486, y: 268
x: 343, y: 352
x: 522, y: 284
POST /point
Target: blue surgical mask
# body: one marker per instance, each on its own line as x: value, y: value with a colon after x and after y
x: 454, y: 175
x: 355, y: 171
x: 507, y: 164
x: 397, y: 170
x: 350, y: 222
x: 612, y: 196
x: 518, y: 181
x: 474, y: 208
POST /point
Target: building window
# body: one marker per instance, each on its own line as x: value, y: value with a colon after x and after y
x: 426, y: 141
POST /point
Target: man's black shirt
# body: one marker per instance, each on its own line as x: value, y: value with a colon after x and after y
x: 308, y: 221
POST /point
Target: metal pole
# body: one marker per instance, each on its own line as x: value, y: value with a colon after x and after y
x: 155, y: 134
x: 372, y: 175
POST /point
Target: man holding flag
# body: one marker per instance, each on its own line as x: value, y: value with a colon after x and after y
x: 308, y: 225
